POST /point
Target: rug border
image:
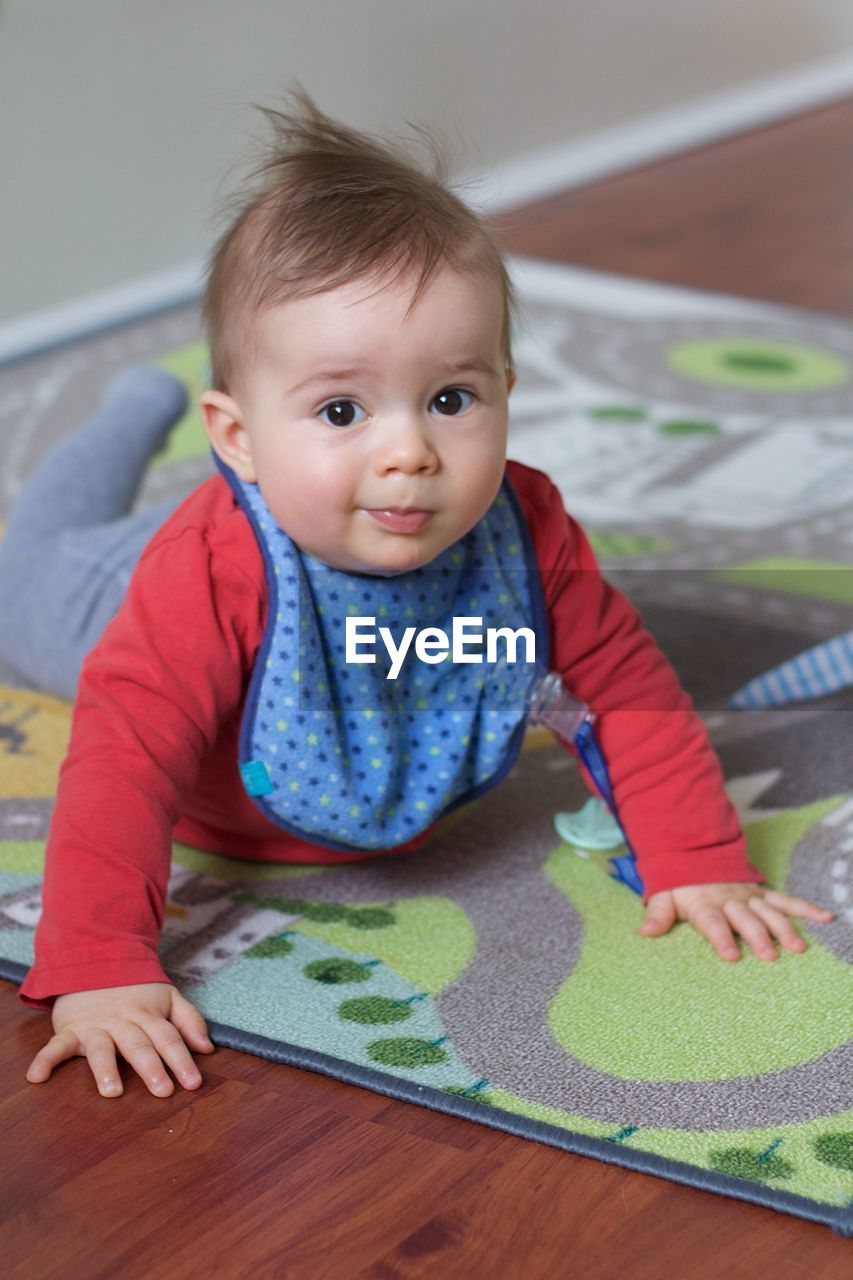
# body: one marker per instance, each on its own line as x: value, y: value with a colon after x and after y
x: 403, y: 1090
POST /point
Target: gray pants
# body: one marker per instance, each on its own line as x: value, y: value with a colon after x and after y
x: 70, y: 544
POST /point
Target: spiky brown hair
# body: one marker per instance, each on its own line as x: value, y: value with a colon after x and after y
x: 335, y: 205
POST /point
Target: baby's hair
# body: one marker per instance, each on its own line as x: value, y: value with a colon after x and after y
x: 333, y: 206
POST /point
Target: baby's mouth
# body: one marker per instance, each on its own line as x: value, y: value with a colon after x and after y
x: 401, y: 519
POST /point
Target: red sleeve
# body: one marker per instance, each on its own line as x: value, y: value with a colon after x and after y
x: 666, y: 779
x: 170, y: 668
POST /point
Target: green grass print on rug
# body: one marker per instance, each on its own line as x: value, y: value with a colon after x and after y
x: 818, y: 579
x: 188, y: 439
x: 671, y: 1009
x: 651, y: 1044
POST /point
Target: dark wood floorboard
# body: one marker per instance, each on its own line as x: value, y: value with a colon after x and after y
x: 268, y: 1171
x: 768, y: 215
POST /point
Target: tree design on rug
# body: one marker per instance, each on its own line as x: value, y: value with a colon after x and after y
x: 339, y: 970
x: 745, y: 1162
x: 371, y: 1009
x: 324, y: 912
x: 835, y: 1149
x: 408, y: 1052
x: 277, y: 944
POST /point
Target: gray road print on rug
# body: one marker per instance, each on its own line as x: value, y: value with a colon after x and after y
x: 497, y: 1025
x: 526, y: 924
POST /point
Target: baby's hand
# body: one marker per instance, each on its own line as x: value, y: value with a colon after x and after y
x: 146, y: 1022
x: 718, y: 909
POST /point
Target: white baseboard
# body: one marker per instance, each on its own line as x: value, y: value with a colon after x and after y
x: 98, y: 311
x: 533, y: 176
x: 679, y: 127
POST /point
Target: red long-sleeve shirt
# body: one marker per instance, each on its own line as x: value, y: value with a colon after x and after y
x: 154, y: 742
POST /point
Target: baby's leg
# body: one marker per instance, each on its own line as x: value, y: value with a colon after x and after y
x: 70, y: 545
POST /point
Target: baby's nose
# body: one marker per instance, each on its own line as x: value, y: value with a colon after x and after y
x: 406, y: 446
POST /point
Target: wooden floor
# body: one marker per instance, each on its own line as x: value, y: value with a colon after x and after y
x: 271, y: 1172
x: 766, y: 215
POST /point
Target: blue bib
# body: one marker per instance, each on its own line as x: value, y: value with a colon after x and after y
x: 338, y: 754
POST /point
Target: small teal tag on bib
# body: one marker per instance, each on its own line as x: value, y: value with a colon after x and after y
x: 256, y: 778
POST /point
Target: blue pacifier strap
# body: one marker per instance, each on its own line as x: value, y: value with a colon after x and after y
x: 624, y: 865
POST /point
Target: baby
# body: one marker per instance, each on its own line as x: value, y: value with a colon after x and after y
x: 358, y: 317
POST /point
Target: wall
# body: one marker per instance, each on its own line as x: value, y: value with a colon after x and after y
x: 121, y: 120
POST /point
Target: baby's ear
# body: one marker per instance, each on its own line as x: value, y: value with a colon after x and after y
x: 510, y: 380
x: 223, y: 422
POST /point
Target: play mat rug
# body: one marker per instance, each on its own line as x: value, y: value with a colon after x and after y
x: 707, y: 445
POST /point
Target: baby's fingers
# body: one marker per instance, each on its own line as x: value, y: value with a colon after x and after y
x: 797, y: 907
x: 778, y: 924
x: 59, y: 1047
x: 715, y: 927
x: 172, y: 1049
x: 137, y: 1049
x: 190, y: 1023
x: 101, y: 1057
x: 751, y: 928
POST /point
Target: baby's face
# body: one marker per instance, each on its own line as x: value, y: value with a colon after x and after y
x: 376, y: 438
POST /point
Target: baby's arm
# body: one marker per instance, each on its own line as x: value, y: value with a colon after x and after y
x: 667, y: 781
x: 152, y: 698
x: 149, y: 1023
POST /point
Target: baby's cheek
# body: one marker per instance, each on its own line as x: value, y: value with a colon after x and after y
x: 302, y: 503
x: 321, y: 520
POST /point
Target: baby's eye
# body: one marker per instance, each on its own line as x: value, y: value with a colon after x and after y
x: 341, y: 413
x: 452, y: 400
